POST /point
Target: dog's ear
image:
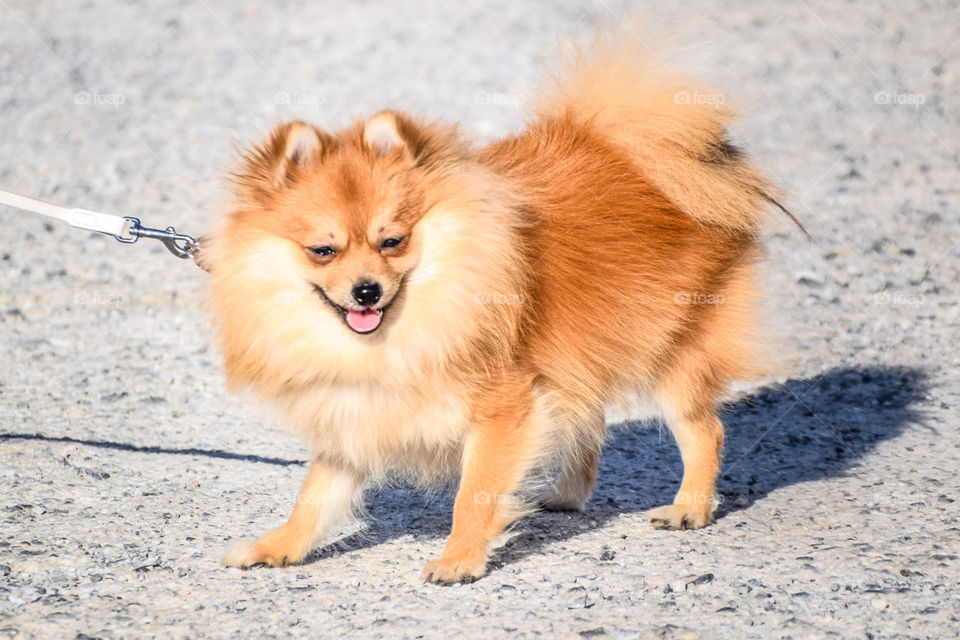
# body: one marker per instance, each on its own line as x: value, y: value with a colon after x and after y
x: 302, y: 146
x: 383, y: 134
x: 290, y: 148
x: 296, y: 146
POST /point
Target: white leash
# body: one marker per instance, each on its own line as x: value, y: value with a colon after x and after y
x: 123, y: 228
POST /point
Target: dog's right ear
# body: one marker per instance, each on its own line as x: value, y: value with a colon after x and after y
x: 302, y: 147
x: 275, y: 164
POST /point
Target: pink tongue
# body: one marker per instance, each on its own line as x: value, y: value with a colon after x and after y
x: 363, y: 321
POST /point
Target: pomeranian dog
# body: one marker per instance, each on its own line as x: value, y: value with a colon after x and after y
x: 416, y: 305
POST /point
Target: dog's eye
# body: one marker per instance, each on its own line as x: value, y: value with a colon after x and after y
x: 391, y: 243
x: 324, y: 252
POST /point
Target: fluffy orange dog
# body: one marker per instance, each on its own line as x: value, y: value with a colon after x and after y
x: 419, y: 306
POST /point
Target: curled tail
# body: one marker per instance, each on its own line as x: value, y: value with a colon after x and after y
x: 673, y: 126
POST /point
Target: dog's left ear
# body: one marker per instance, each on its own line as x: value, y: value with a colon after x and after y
x: 382, y: 134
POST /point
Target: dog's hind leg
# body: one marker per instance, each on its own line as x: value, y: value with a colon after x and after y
x: 726, y: 346
x: 579, y: 466
x: 575, y: 482
x: 688, y: 397
x: 700, y: 439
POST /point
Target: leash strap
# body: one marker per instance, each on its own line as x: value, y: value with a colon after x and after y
x: 123, y: 228
x: 115, y: 226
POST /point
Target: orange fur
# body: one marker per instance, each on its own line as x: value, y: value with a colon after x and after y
x: 605, y: 251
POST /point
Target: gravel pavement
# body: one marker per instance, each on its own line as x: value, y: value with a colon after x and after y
x: 127, y: 470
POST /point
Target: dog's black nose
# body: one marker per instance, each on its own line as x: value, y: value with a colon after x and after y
x: 366, y: 293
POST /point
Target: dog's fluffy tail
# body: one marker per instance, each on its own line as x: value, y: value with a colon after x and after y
x: 673, y: 126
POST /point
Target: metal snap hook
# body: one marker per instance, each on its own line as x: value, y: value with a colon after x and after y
x: 179, y: 244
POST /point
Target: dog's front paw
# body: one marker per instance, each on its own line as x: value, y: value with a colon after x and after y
x: 681, y: 516
x: 445, y: 570
x: 251, y: 554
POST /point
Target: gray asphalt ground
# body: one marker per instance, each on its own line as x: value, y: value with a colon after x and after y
x: 127, y: 470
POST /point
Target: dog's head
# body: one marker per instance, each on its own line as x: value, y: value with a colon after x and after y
x: 347, y: 207
x: 368, y: 248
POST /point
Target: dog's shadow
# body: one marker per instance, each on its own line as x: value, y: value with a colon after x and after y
x: 799, y: 431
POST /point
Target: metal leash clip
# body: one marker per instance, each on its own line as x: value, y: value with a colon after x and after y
x: 125, y: 229
x: 179, y: 244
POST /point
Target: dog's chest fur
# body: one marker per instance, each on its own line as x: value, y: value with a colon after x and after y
x: 375, y: 427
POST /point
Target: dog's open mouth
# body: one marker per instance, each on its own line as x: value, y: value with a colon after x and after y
x: 366, y: 320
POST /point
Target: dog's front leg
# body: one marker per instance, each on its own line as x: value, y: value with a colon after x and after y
x: 325, y: 497
x: 500, y: 449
